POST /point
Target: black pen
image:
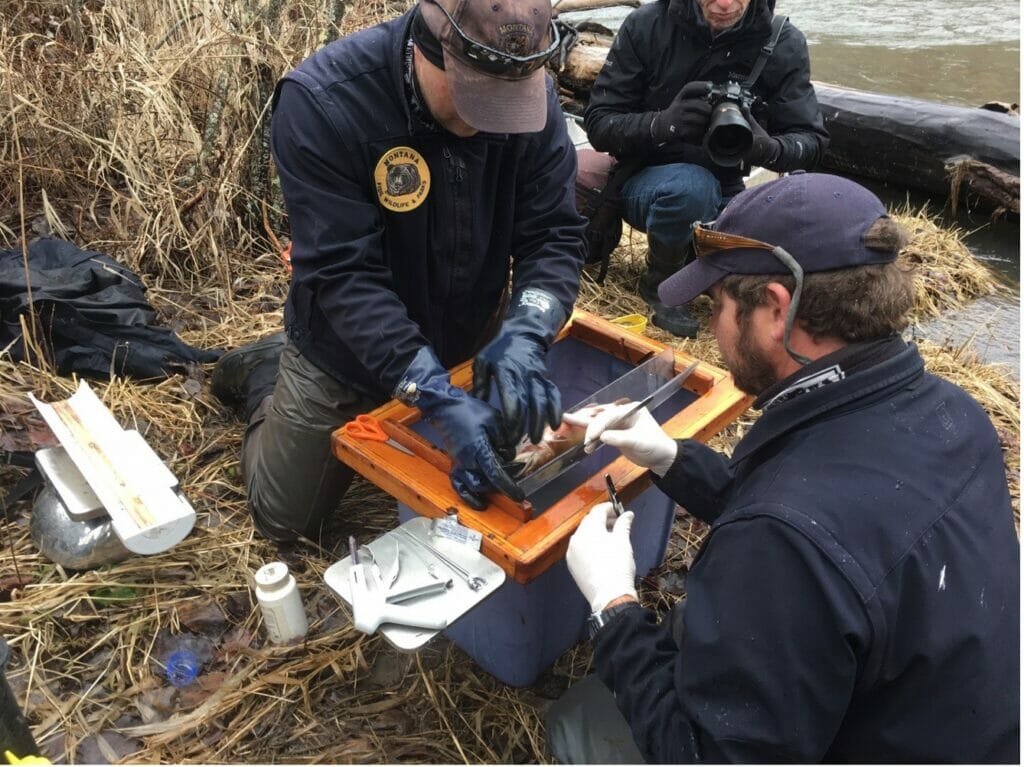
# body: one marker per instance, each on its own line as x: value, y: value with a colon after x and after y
x: 617, y: 506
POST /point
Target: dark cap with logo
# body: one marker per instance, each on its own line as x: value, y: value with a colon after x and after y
x: 494, y: 56
x: 819, y: 219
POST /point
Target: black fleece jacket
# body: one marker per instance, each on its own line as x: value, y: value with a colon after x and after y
x: 664, y: 45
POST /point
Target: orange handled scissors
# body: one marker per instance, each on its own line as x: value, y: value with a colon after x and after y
x: 367, y: 427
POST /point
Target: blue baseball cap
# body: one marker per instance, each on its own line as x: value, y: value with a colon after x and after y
x: 819, y: 219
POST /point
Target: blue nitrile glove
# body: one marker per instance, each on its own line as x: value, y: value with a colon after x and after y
x: 516, y: 361
x: 471, y: 430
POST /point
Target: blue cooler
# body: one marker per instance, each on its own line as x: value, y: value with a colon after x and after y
x: 521, y: 629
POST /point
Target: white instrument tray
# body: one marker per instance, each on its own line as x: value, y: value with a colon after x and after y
x: 452, y: 604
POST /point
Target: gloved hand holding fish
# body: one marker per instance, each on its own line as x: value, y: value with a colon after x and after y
x: 637, y: 435
x: 554, y: 442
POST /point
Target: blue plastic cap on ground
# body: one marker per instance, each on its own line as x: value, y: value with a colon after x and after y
x: 182, y: 668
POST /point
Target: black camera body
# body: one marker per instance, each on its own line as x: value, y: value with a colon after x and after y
x: 728, y: 137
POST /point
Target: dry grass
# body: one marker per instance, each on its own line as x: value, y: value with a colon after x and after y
x: 136, y: 129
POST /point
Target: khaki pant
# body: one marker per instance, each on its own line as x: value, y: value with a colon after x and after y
x: 585, y: 726
x: 293, y: 479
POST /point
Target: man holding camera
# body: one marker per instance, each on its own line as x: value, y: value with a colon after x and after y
x: 857, y: 598
x: 423, y: 162
x: 674, y: 63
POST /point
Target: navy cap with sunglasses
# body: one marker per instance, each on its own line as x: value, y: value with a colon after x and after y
x: 494, y: 56
x: 801, y: 223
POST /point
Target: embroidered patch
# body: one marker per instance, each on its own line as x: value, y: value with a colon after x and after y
x: 538, y: 299
x: 402, y: 179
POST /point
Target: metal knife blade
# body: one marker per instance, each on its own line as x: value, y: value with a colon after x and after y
x: 559, y: 464
x: 651, y: 401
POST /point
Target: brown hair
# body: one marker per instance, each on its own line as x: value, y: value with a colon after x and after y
x: 860, y: 303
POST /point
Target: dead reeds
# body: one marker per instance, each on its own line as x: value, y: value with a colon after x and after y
x: 138, y: 129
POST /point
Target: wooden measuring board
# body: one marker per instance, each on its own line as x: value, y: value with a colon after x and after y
x: 521, y: 541
x: 130, y: 481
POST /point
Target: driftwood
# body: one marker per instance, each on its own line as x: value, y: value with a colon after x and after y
x: 570, y: 6
x: 942, y: 150
x: 581, y: 67
x: 987, y: 183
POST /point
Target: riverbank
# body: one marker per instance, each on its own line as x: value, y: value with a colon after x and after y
x: 90, y: 648
x: 137, y: 129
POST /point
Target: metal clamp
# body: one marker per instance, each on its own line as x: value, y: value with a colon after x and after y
x: 475, y: 582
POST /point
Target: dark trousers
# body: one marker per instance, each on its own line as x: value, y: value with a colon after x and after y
x: 663, y: 200
x: 291, y: 474
x: 585, y: 727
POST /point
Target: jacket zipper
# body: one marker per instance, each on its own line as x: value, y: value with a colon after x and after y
x: 461, y: 224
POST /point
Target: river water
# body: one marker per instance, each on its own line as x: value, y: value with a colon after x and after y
x: 953, y: 51
x: 964, y: 52
x: 950, y: 51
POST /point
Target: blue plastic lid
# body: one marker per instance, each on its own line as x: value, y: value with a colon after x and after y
x: 182, y: 668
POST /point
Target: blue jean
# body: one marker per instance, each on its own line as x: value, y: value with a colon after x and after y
x: 663, y: 200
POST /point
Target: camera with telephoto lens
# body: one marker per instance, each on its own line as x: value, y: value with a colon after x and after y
x: 728, y: 137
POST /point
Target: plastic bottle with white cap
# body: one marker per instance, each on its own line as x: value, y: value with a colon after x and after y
x: 278, y: 595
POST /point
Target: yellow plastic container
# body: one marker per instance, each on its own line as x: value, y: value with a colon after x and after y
x: 634, y: 322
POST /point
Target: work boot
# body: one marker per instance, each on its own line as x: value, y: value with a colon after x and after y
x: 662, y: 262
x: 244, y: 376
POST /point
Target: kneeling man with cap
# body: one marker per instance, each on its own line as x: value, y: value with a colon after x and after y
x: 857, y: 597
x: 429, y: 179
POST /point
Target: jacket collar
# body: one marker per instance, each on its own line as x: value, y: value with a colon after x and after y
x: 841, y: 363
x: 400, y: 37
x: 895, y: 372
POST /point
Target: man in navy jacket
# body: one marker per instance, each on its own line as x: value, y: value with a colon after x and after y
x: 857, y: 597
x: 429, y: 180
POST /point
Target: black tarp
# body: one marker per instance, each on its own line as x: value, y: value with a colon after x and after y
x: 92, y: 315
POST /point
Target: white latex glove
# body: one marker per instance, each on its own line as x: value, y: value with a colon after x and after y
x: 601, y: 560
x: 640, y: 438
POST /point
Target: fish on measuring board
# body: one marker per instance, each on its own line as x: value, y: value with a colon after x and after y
x: 554, y: 442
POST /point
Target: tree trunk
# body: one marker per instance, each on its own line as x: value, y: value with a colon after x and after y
x: 569, y: 6
x: 921, y: 145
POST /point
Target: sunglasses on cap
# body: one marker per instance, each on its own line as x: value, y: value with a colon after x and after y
x: 707, y: 243
x: 497, y: 62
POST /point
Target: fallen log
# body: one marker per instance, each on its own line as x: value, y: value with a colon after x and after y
x: 570, y: 6
x: 936, y: 148
x: 949, y: 152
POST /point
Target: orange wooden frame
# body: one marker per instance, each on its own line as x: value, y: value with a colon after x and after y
x: 523, y: 545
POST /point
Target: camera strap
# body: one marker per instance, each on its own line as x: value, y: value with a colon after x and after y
x: 778, y: 22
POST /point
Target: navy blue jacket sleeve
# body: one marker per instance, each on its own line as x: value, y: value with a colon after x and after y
x: 337, y: 237
x: 548, y: 243
x: 768, y: 658
x: 699, y: 480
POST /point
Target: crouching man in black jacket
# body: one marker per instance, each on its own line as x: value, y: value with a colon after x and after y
x: 650, y: 108
x: 857, y: 597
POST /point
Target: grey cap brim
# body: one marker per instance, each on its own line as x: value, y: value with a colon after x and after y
x: 689, y: 282
x: 497, y: 104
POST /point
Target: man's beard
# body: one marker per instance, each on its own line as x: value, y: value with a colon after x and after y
x: 751, y: 370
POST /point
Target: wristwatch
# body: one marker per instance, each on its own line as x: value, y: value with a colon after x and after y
x: 597, y: 621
